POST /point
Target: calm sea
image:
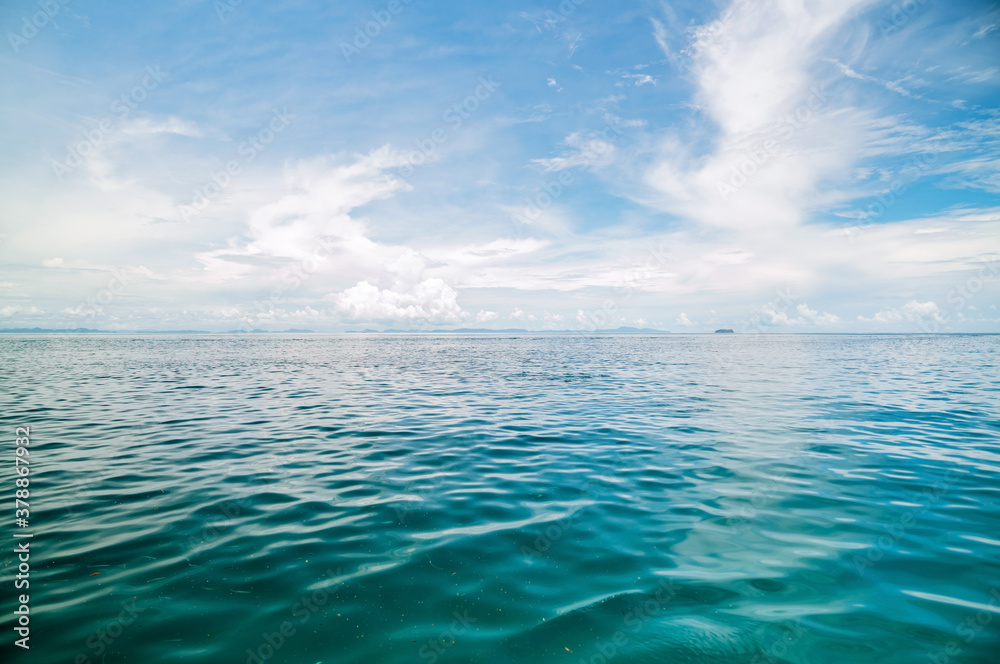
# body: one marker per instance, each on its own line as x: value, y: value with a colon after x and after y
x: 379, y: 499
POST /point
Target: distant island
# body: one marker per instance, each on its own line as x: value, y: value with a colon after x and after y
x: 724, y: 331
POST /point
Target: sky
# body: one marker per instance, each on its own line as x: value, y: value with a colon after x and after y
x: 766, y: 166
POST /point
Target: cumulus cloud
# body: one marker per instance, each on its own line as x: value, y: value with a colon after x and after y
x: 16, y: 309
x: 911, y: 312
x: 774, y: 314
x: 816, y: 318
x: 432, y: 300
x: 771, y: 316
x: 755, y: 72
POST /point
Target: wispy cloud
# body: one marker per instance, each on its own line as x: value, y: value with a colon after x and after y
x: 674, y: 165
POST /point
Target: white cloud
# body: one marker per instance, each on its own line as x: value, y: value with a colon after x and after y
x: 976, y: 76
x: 755, y: 70
x: 584, y: 151
x: 660, y: 35
x: 431, y: 300
x: 636, y: 79
x: 985, y: 30
x: 816, y: 318
x: 171, y: 125
x: 741, y: 77
x: 770, y: 316
x: 16, y: 309
x: 773, y: 314
x: 311, y: 217
x: 892, y: 86
x: 911, y: 312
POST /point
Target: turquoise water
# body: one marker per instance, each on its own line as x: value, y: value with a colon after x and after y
x: 731, y: 498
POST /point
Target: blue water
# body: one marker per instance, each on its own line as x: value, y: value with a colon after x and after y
x: 436, y: 499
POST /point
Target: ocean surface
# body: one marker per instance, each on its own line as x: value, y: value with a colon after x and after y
x: 504, y: 499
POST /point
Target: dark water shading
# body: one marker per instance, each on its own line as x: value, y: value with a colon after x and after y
x: 684, y: 499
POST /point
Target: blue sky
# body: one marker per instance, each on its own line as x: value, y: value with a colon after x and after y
x: 788, y: 166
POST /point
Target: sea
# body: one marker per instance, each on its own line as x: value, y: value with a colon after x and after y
x: 436, y: 499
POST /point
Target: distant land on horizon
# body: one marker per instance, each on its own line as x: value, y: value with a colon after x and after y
x: 87, y: 330
x: 463, y: 330
x: 476, y: 330
x: 472, y: 330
